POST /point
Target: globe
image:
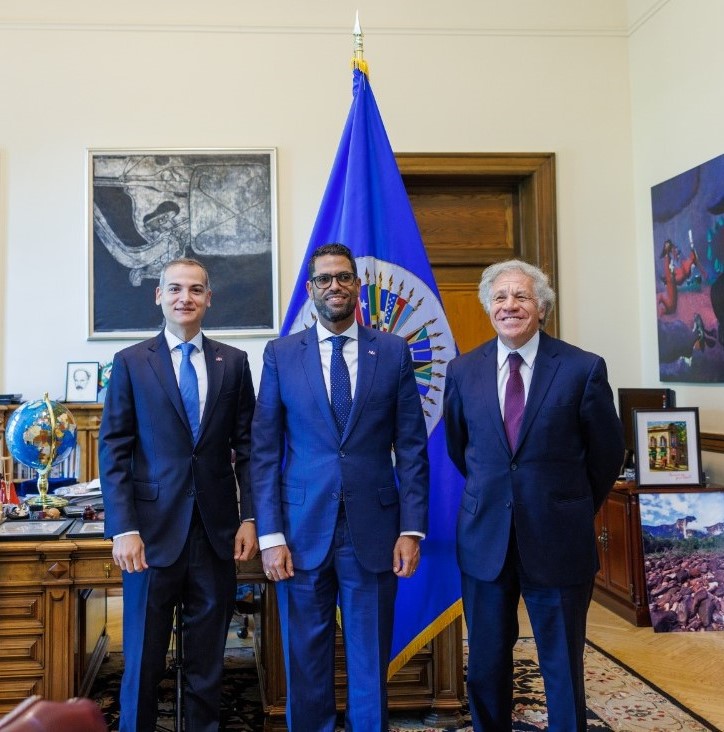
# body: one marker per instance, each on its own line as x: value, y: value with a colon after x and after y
x: 41, y: 434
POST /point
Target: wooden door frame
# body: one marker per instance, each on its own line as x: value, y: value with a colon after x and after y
x: 534, y: 176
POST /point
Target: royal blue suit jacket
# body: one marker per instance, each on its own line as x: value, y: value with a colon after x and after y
x: 151, y: 470
x: 300, y: 464
x: 568, y: 456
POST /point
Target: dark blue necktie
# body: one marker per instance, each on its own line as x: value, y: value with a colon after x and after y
x: 514, y: 400
x: 188, y: 385
x: 340, y: 384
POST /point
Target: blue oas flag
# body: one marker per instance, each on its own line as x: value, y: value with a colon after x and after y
x: 366, y: 208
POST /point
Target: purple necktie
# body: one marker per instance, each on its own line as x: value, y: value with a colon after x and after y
x: 514, y: 400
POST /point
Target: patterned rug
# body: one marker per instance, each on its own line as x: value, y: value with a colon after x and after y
x: 618, y: 699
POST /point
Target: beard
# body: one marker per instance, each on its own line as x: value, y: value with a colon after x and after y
x: 337, y: 313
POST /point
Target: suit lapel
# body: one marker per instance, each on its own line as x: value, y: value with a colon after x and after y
x: 366, y: 367
x: 215, y: 367
x: 546, y: 365
x: 312, y: 365
x: 159, y: 358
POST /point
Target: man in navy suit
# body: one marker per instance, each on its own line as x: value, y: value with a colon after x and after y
x: 340, y: 507
x: 539, y: 457
x: 170, y: 497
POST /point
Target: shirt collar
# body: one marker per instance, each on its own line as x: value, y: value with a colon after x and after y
x: 527, y: 351
x: 352, y: 332
x: 174, y: 341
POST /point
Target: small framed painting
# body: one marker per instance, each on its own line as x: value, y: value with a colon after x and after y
x: 81, y: 381
x: 667, y: 447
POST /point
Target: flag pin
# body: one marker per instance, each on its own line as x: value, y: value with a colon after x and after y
x: 372, y: 353
x: 218, y: 358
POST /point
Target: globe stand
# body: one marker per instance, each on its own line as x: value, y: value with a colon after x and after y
x: 43, y: 499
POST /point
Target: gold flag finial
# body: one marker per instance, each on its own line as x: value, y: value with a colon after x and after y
x: 358, y: 61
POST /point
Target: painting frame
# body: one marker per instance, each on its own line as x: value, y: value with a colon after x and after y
x: 86, y: 529
x: 668, y: 447
x: 33, y: 530
x: 148, y: 206
x: 682, y: 547
x: 81, y: 381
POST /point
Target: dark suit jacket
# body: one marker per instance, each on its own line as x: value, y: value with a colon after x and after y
x: 151, y: 470
x: 299, y: 464
x: 569, y: 454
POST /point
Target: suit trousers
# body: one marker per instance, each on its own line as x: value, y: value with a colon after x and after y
x: 206, y: 585
x: 558, y: 618
x: 307, y: 611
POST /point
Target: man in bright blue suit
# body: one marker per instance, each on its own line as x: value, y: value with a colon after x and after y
x: 177, y: 406
x: 340, y: 493
x: 532, y: 427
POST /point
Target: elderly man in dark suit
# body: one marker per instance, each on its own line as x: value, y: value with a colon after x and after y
x: 340, y: 491
x: 532, y: 426
x: 177, y: 406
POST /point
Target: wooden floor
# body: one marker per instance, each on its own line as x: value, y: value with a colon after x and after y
x: 687, y: 666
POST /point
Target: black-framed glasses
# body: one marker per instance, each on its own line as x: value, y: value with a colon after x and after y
x: 323, y: 281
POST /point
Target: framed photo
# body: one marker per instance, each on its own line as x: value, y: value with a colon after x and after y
x: 30, y: 530
x: 667, y: 447
x: 85, y: 529
x: 81, y: 381
x: 148, y: 207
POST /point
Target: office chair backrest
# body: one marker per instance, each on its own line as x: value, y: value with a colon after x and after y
x: 40, y: 715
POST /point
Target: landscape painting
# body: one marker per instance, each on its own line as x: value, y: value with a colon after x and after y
x: 683, y: 545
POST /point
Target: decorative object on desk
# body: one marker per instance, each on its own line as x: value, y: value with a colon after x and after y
x: 81, y: 381
x: 104, y: 376
x: 19, y: 512
x: 82, y: 529
x: 33, y: 530
x: 618, y: 699
x: 667, y: 447
x: 40, y: 434
x: 683, y: 545
x: 8, y: 494
x: 147, y: 207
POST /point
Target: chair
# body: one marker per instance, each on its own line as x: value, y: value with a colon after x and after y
x: 36, y: 714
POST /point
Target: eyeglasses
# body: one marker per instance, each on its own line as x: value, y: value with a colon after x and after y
x: 324, y: 281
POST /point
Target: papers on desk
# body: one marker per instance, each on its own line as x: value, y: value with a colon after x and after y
x: 80, y: 491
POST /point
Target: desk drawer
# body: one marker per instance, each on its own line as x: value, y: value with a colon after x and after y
x: 21, y: 653
x: 14, y: 690
x: 96, y: 570
x: 22, y: 610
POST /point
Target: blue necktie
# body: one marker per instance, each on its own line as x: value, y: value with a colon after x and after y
x: 188, y: 385
x: 514, y: 404
x: 340, y: 384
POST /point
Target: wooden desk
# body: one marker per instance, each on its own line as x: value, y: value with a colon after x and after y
x: 42, y: 648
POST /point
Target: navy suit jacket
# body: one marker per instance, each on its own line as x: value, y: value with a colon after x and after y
x: 569, y: 453
x: 300, y: 464
x: 151, y: 470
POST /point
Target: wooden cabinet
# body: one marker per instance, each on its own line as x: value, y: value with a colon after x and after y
x: 621, y: 583
x: 88, y: 421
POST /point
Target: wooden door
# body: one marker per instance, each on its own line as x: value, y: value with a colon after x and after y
x: 474, y: 209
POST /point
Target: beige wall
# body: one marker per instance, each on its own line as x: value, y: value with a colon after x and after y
x: 461, y: 76
x: 677, y: 121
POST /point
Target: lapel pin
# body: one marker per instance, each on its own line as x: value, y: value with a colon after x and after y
x: 219, y: 358
x: 372, y: 353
